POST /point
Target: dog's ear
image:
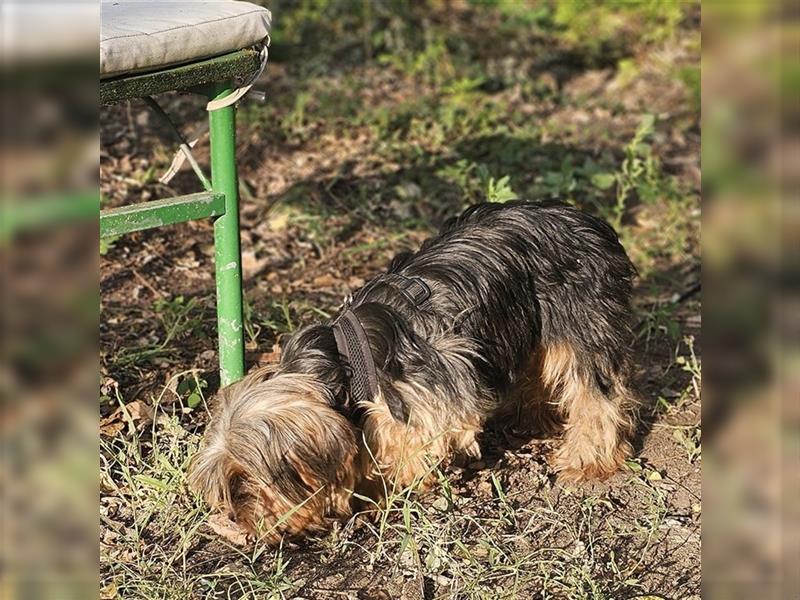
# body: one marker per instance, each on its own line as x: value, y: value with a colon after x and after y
x: 305, y: 473
x: 326, y: 454
x: 209, y: 476
x: 236, y: 483
x: 220, y: 478
x: 323, y: 463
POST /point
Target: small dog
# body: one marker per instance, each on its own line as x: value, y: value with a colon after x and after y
x: 514, y: 310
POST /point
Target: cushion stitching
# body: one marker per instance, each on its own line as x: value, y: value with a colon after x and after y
x: 119, y: 37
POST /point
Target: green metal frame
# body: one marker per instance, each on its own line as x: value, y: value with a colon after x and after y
x: 227, y: 253
x: 159, y: 213
x: 236, y: 67
x: 214, y: 78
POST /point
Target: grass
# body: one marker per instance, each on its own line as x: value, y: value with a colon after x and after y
x: 439, y: 534
x: 382, y: 120
x: 477, y: 548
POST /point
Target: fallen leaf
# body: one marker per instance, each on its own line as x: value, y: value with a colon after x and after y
x: 355, y: 282
x: 252, y: 266
x: 224, y: 527
x: 440, y: 503
x: 484, y: 487
x: 111, y: 429
x: 279, y: 220
x: 324, y: 281
x: 138, y: 411
x: 264, y: 358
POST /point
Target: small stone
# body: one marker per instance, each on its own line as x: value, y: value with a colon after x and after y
x: 440, y: 503
x: 654, y: 476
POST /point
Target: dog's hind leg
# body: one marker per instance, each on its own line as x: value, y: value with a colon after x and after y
x: 597, y: 408
x: 526, y: 410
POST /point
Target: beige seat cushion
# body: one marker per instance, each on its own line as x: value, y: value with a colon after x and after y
x: 141, y: 36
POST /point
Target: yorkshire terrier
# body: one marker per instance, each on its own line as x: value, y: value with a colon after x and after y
x: 513, y: 310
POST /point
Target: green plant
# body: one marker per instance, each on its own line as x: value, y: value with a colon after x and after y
x: 660, y: 318
x: 690, y: 76
x: 279, y: 320
x: 252, y: 327
x: 638, y: 172
x: 597, y: 25
x: 689, y: 438
x: 498, y: 190
x: 107, y: 243
x: 477, y: 184
x: 295, y: 121
x: 691, y: 365
x: 432, y: 65
x: 191, y: 389
x: 178, y: 316
x: 560, y: 183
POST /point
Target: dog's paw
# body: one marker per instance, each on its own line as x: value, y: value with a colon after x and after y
x: 473, y: 451
x: 574, y: 468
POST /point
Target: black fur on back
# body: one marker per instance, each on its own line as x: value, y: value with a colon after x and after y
x: 504, y: 278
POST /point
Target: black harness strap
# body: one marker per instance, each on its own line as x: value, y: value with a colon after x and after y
x: 413, y: 289
x: 353, y: 345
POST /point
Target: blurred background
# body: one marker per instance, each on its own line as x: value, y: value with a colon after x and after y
x: 751, y: 475
x: 48, y: 252
x: 381, y: 119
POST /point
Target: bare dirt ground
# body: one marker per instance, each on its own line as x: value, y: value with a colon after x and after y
x: 341, y: 169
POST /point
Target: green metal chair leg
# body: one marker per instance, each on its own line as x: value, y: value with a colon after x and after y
x: 228, y: 258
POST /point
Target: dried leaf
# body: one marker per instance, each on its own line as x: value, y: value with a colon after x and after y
x: 138, y: 411
x: 252, y: 266
x: 224, y: 527
x: 111, y: 429
x: 265, y: 358
x: 324, y: 281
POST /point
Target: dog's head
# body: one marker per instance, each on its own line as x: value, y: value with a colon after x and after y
x: 277, y: 458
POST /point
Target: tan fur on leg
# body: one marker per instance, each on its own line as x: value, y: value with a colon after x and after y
x: 597, y: 427
x: 398, y: 454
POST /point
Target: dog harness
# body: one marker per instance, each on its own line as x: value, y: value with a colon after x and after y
x: 413, y: 289
x: 353, y: 345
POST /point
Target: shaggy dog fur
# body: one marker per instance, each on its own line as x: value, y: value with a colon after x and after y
x: 528, y: 317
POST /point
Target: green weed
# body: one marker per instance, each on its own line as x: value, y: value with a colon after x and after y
x: 477, y: 184
x: 107, y: 244
x: 638, y: 172
x: 603, y: 26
